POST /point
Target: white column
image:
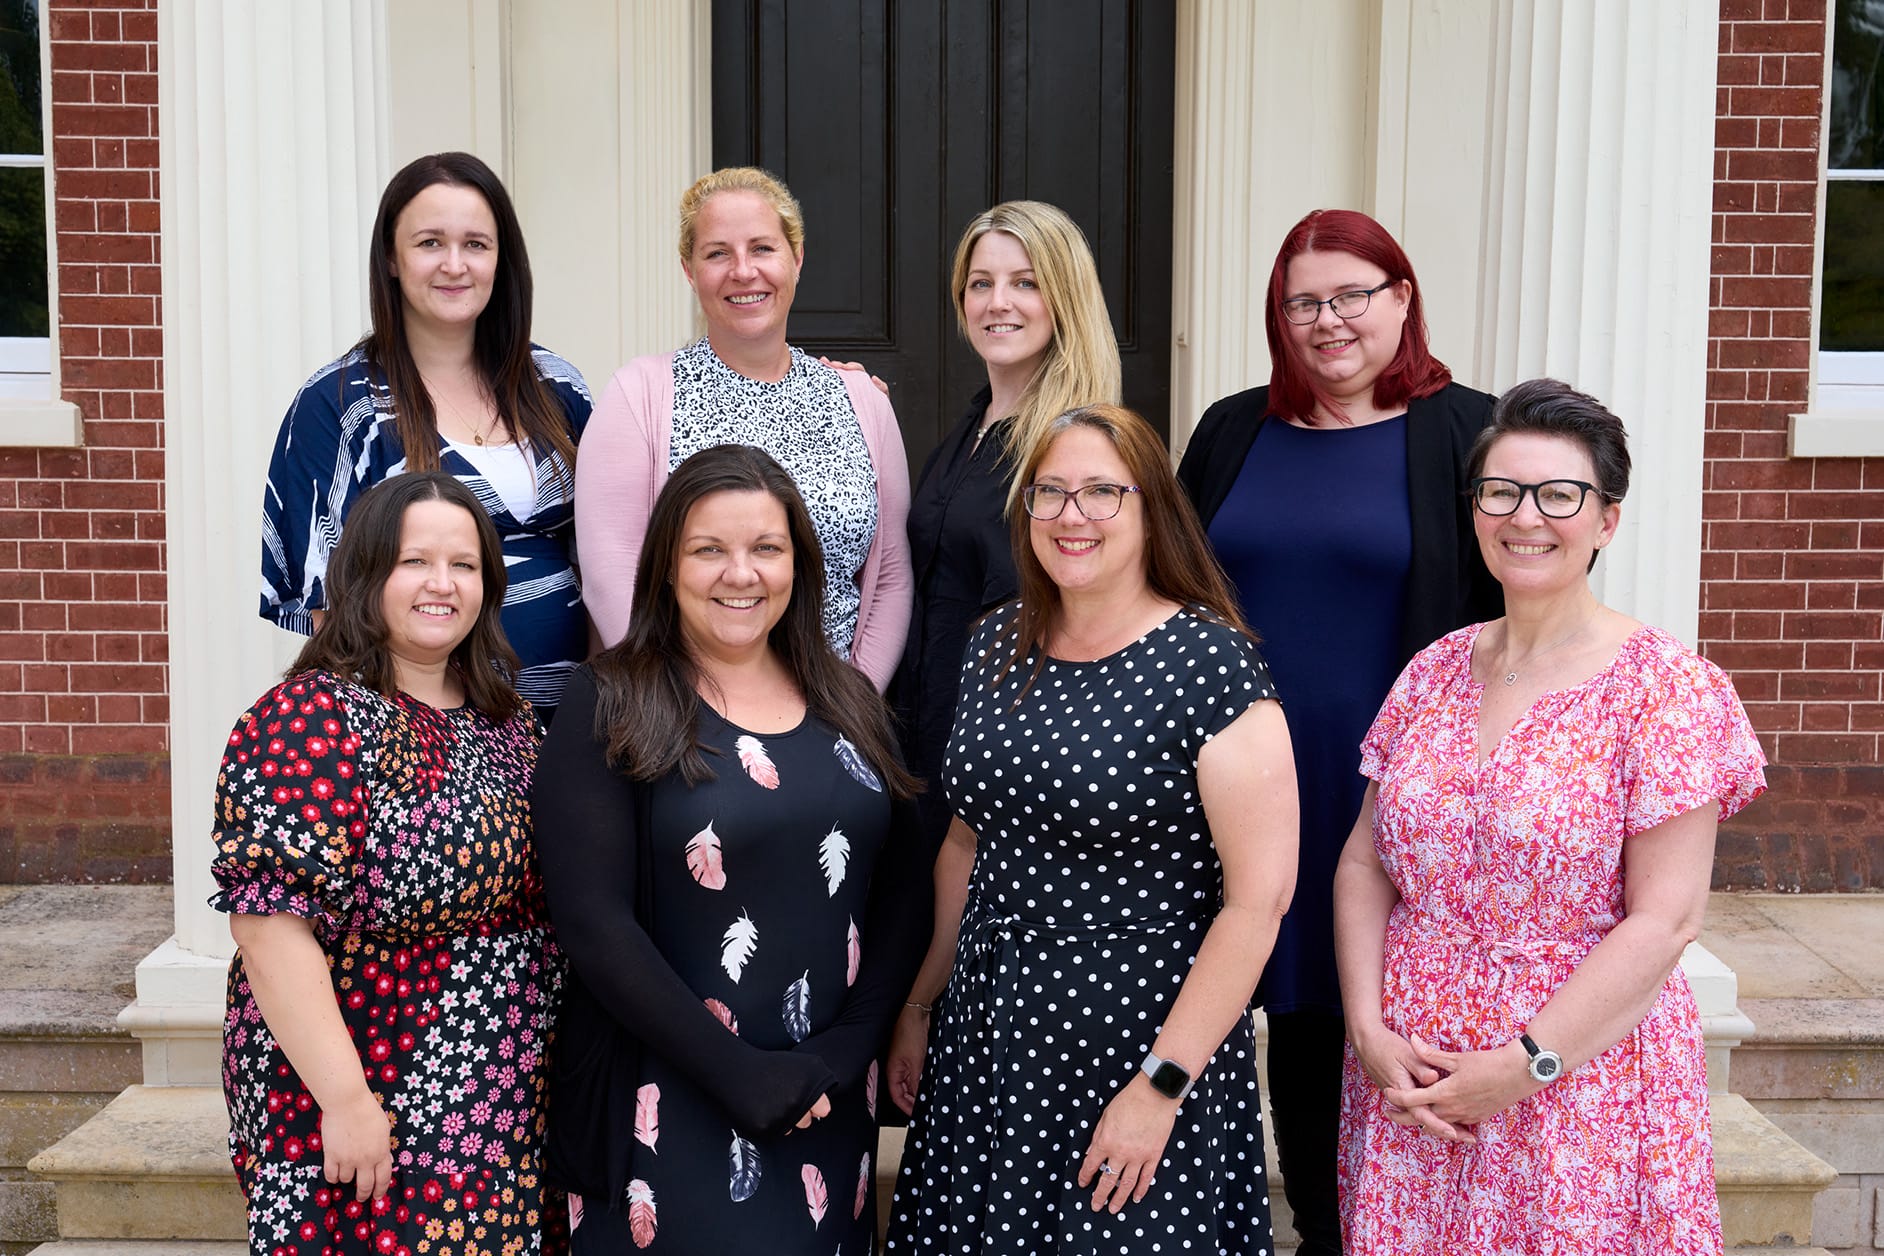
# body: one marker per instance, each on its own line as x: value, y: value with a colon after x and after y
x: 1598, y: 193
x: 273, y: 150
x: 613, y: 114
x: 1265, y: 133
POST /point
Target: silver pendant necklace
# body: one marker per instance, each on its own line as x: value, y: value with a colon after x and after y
x: 1511, y: 677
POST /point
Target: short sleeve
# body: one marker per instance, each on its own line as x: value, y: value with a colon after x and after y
x: 1690, y: 743
x: 1410, y: 690
x: 1233, y: 678
x: 290, y: 805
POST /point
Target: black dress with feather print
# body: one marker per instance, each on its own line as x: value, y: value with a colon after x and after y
x: 760, y: 883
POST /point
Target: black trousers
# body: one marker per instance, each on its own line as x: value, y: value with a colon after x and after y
x: 1305, y: 1100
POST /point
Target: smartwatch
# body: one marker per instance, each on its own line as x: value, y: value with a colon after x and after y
x: 1167, y: 1077
x: 1546, y: 1066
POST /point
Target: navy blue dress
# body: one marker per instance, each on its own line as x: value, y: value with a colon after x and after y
x: 1316, y: 536
x: 340, y: 438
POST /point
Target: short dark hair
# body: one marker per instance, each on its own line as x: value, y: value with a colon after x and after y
x: 351, y: 641
x: 648, y: 705
x: 501, y: 348
x: 1550, y: 407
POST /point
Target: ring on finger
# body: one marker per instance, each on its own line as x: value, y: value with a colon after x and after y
x: 1107, y: 1169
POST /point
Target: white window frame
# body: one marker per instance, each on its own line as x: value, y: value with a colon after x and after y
x: 1845, y: 418
x: 32, y: 412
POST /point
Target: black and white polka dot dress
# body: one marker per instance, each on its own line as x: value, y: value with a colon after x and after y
x: 1094, y: 881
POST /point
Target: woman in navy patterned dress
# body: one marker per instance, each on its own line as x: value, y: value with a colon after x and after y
x: 394, y: 983
x: 447, y: 378
x: 737, y: 878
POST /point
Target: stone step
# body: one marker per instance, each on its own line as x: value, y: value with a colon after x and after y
x: 1811, y: 1049
x: 151, y: 1247
x: 71, y: 952
x: 1815, y: 1068
x: 151, y: 1165
x: 1767, y: 1182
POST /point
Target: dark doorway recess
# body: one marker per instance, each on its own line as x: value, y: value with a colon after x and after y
x: 896, y: 121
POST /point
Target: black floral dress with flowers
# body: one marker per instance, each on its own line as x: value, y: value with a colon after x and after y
x: 402, y: 833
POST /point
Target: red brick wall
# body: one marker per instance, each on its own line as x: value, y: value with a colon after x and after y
x: 84, y: 706
x: 1792, y: 592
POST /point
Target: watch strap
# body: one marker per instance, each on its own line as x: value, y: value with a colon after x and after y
x: 1155, y: 1063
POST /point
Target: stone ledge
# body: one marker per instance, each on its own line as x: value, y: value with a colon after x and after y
x: 151, y: 1165
x: 1857, y: 1022
x: 34, y: 1121
x: 1767, y: 1182
x: 156, y: 1247
x: 146, y: 1132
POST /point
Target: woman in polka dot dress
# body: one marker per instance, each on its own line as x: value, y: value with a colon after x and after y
x: 1122, y: 850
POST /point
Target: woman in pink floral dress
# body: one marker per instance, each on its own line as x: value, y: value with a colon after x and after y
x: 1525, y: 1070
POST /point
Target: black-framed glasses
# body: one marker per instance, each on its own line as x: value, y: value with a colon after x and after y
x: 1556, y: 499
x: 1344, y: 304
x: 1097, y: 502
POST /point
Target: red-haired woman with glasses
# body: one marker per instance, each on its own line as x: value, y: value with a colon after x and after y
x: 1335, y: 498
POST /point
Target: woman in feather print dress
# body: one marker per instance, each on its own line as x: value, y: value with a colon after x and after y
x: 732, y: 866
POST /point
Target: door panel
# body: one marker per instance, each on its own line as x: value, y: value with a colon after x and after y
x: 894, y: 123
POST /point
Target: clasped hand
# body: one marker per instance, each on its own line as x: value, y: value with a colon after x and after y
x: 1444, y: 1093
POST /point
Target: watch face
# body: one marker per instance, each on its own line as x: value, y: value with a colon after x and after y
x: 1546, y: 1066
x: 1169, y: 1079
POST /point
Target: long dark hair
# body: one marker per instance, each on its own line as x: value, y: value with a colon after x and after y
x: 1414, y: 371
x: 1180, y: 565
x: 352, y: 639
x: 502, y: 340
x: 648, y: 703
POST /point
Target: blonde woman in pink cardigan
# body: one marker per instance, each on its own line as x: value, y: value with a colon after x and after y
x: 741, y: 248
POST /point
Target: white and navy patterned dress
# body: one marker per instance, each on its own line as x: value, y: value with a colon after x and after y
x: 806, y: 422
x: 341, y: 437
x: 1094, y: 880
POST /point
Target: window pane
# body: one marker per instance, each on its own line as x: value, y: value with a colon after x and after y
x: 1851, y: 315
x: 23, y: 309
x: 1856, y: 141
x: 21, y: 124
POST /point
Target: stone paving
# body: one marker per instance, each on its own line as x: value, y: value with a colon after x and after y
x: 1811, y: 975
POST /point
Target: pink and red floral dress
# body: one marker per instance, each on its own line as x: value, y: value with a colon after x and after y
x: 402, y: 833
x: 1509, y: 872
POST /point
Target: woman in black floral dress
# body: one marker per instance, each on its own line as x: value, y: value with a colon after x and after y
x: 739, y: 888
x: 391, y: 994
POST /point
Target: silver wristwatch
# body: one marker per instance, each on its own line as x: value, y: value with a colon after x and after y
x: 1546, y: 1066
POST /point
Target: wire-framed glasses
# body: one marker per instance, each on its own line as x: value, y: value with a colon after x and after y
x: 1556, y: 499
x: 1344, y: 304
x: 1096, y: 501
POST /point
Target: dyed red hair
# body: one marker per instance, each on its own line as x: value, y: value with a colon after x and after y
x: 1414, y: 371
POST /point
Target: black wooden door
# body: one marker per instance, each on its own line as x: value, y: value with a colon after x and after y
x: 896, y: 121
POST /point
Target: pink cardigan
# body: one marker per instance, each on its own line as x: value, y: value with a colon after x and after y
x: 622, y: 464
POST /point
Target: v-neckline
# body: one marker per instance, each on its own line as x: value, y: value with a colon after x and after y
x: 1480, y: 757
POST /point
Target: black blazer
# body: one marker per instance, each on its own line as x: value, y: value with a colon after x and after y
x: 1448, y: 585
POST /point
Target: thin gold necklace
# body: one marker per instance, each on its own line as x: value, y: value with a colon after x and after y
x: 458, y: 414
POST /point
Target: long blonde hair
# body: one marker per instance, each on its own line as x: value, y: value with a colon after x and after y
x: 1082, y: 363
